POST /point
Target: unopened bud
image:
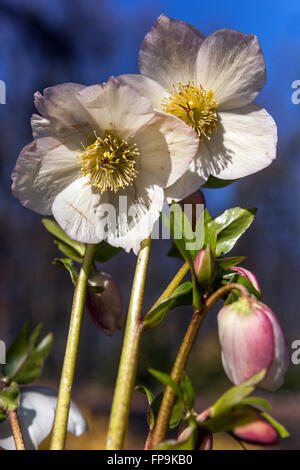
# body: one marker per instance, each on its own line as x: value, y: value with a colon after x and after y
x: 259, y: 431
x: 106, y: 309
x: 252, y: 340
x: 205, y: 268
x: 248, y: 275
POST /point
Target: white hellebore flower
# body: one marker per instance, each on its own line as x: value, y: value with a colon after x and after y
x: 92, y: 145
x: 209, y: 83
x: 36, y: 416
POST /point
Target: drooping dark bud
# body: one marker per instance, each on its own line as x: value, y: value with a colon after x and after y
x: 106, y: 309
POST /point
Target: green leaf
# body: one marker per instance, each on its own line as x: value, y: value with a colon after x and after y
x: 104, y: 252
x: 165, y: 379
x: 235, y: 394
x: 177, y: 413
x: 258, y: 402
x: 69, y: 247
x: 210, y: 234
x: 188, y: 392
x: 174, y: 252
x: 239, y: 279
x: 25, y: 358
x: 67, y: 264
x: 231, y: 418
x: 215, y: 183
x: 9, y: 397
x: 179, y: 297
x: 281, y: 430
x: 227, y: 263
x: 230, y: 226
x: 145, y: 391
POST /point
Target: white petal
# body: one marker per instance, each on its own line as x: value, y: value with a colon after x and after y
x: 36, y: 417
x: 117, y: 107
x: 77, y: 210
x: 146, y: 87
x: 168, y: 52
x: 89, y: 217
x: 186, y: 185
x: 167, y: 147
x: 138, y: 225
x: 232, y: 65
x: 244, y: 143
x: 44, y: 168
x: 63, y: 116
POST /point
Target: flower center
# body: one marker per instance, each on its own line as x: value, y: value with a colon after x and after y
x: 109, y: 163
x: 193, y: 105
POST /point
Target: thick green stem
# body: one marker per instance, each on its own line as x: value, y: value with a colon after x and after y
x: 164, y: 414
x: 16, y: 430
x: 65, y: 388
x: 128, y: 363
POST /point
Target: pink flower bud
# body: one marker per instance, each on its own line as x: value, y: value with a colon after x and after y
x: 106, y: 308
x: 252, y: 340
x: 259, y: 431
x: 204, y: 267
x: 194, y: 199
x: 248, y: 275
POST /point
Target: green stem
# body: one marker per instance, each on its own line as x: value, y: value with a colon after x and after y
x: 65, y: 388
x: 176, y: 281
x: 128, y: 363
x: 165, y: 410
x: 16, y: 430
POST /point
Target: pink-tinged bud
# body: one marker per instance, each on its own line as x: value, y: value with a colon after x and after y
x: 259, y: 431
x: 252, y: 340
x: 106, y: 309
x: 204, y: 437
x: 248, y: 275
x: 195, y: 199
x: 205, y: 268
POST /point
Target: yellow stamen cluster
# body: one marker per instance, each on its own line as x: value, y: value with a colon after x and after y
x: 109, y: 163
x: 193, y: 105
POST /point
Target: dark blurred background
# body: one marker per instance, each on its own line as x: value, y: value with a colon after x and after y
x: 44, y: 43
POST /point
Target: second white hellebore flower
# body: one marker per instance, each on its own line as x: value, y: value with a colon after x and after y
x: 36, y: 416
x: 91, y: 146
x: 210, y: 84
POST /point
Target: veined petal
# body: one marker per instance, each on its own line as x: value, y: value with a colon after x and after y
x: 244, y: 143
x: 117, y: 107
x: 44, y: 168
x: 90, y: 217
x: 77, y: 210
x: 167, y: 147
x: 36, y: 417
x: 146, y: 87
x: 62, y: 114
x: 148, y: 199
x: 232, y: 65
x: 190, y: 182
x: 169, y: 50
